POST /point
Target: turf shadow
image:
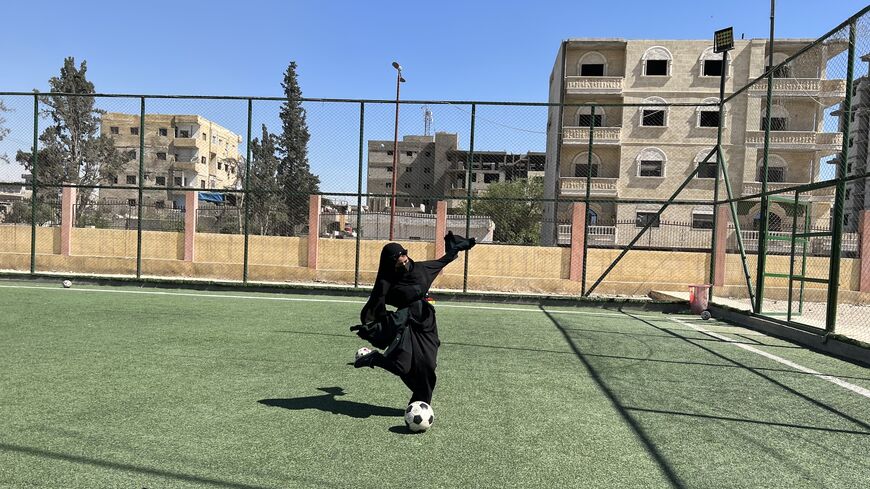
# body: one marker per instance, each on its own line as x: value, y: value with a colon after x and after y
x: 329, y: 403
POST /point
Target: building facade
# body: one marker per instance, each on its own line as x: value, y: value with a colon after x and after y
x: 858, y: 190
x: 181, y: 152
x: 431, y: 168
x: 646, y: 152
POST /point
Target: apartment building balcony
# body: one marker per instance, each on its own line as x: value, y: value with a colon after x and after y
x: 184, y: 163
x: 825, y: 194
x: 183, y: 143
x: 576, y: 187
x: 829, y: 91
x: 601, y: 135
x: 581, y: 85
x: 830, y: 142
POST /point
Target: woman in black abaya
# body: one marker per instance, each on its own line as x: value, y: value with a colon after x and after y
x: 410, y: 334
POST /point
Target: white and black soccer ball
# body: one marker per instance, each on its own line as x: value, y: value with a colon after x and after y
x: 362, y: 352
x: 67, y: 284
x: 419, y: 416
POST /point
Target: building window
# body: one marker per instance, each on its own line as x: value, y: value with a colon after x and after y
x: 389, y: 185
x: 204, y: 137
x: 651, y: 168
x: 131, y: 179
x: 583, y: 170
x: 711, y: 63
x: 713, y: 67
x: 179, y: 181
x: 774, y: 174
x: 161, y: 156
x: 656, y: 61
x: 219, y: 165
x: 774, y: 222
x: 776, y: 124
x: 490, y: 177
x: 656, y: 67
x: 134, y: 131
x: 131, y: 155
x: 182, y: 133
x: 112, y: 178
x: 409, y: 153
x: 202, y: 159
x: 586, y: 120
x: 702, y: 218
x: 389, y: 169
x: 474, y: 177
x: 645, y: 217
x: 131, y: 202
x: 708, y: 118
x: 159, y: 204
x: 654, y: 116
x: 593, y: 64
x: 114, y: 130
x: 160, y: 181
x: 202, y: 184
x: 163, y: 132
x: 706, y: 169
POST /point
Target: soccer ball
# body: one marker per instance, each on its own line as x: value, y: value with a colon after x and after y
x: 419, y: 416
x: 362, y: 352
x: 67, y: 284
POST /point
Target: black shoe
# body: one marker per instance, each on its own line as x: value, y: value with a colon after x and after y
x: 366, y: 360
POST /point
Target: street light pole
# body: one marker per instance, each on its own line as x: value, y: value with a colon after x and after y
x: 399, y: 81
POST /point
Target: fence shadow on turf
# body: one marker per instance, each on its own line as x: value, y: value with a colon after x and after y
x: 327, y: 402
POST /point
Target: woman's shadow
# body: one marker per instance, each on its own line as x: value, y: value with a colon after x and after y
x: 328, y: 402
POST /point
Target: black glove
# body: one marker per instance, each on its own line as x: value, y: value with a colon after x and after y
x: 453, y: 244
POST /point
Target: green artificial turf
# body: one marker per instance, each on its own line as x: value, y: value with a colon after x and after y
x: 125, y: 387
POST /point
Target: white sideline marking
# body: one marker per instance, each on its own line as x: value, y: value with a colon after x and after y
x: 842, y: 383
x: 299, y: 299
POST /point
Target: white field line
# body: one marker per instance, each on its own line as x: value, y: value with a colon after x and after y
x: 834, y: 380
x: 301, y: 299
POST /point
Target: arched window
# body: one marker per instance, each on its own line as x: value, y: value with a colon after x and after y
x: 708, y: 169
x: 774, y: 222
x: 657, y: 61
x: 584, y: 116
x: 582, y: 168
x: 784, y: 71
x: 651, y: 163
x: 776, y: 169
x: 708, y: 116
x: 654, y: 116
x: 711, y: 63
x: 592, y: 64
x: 592, y: 216
x: 778, y: 118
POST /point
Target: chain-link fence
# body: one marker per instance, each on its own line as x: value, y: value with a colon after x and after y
x: 656, y: 165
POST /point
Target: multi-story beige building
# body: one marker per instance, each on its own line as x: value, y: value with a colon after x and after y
x: 858, y: 190
x: 432, y: 167
x: 181, y: 152
x: 643, y: 152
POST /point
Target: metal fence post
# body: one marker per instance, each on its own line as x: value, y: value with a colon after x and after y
x: 34, y: 184
x: 764, y: 222
x: 245, y: 195
x: 716, y: 180
x: 840, y: 195
x: 362, y: 112
x: 140, y: 179
x: 469, y: 164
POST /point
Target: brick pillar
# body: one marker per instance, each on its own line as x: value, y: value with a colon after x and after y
x: 721, y: 231
x: 68, y: 199
x: 191, y: 205
x: 440, y: 227
x: 578, y: 222
x: 864, y: 240
x: 313, y: 229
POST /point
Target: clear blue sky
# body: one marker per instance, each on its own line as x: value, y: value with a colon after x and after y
x: 453, y: 50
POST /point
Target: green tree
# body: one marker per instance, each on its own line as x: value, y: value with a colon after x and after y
x: 516, y: 221
x: 293, y: 172
x: 72, y: 148
x: 3, y: 130
x: 266, y: 204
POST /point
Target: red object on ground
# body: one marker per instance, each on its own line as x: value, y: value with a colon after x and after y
x: 698, y: 295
